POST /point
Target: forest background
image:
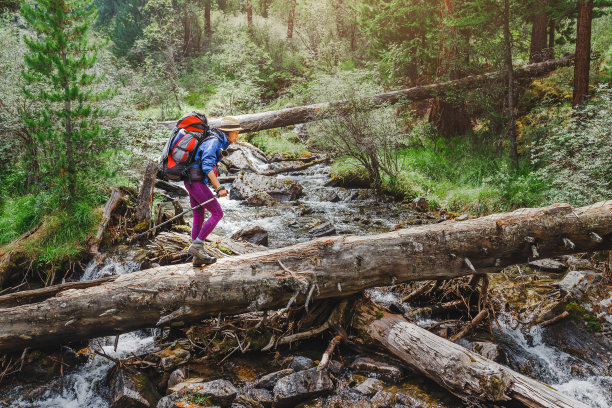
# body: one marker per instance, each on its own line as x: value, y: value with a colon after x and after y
x: 144, y: 61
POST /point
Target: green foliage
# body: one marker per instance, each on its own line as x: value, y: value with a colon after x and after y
x: 579, y: 311
x: 372, y: 137
x: 61, y: 235
x: 273, y: 142
x: 197, y: 399
x: 59, y: 75
x: 575, y: 157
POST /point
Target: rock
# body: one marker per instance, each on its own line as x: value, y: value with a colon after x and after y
x: 221, y: 392
x: 301, y: 131
x: 576, y: 283
x: 264, y: 397
x: 255, y: 235
x: 574, y: 337
x: 300, y: 363
x: 169, y: 401
x: 548, y: 265
x: 258, y: 190
x: 420, y: 204
x: 576, y: 263
x: 487, y: 350
x: 132, y: 389
x: 369, y: 387
x: 462, y: 217
x: 335, y: 367
x: 322, y: 230
x: 176, y: 377
x: 300, y: 386
x: 332, y: 197
x: 249, y: 149
x: 382, y: 370
x: 383, y: 399
x: 172, y: 358
x: 238, y: 160
x: 269, y: 380
x: 304, y: 210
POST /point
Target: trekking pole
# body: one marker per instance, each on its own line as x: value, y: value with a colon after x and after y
x: 172, y: 219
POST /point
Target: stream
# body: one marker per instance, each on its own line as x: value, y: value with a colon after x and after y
x: 350, y: 211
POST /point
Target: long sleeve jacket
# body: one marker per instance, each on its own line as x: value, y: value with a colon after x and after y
x: 209, y: 152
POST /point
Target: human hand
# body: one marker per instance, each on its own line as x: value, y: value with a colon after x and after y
x: 222, y: 192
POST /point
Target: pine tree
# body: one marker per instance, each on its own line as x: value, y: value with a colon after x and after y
x: 59, y: 74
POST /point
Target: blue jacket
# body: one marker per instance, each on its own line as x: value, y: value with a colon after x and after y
x: 209, y: 152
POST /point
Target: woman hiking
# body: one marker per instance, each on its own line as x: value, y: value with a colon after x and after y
x: 204, y: 170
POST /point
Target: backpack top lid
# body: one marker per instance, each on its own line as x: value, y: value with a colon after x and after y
x: 193, y: 122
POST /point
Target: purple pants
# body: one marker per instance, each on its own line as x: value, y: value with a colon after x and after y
x: 198, y: 193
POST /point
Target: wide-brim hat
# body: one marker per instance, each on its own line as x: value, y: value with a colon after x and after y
x: 230, y: 123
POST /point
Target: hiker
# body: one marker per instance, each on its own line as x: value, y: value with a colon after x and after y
x: 204, y: 170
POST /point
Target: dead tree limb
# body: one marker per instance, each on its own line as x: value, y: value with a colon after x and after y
x: 145, y: 197
x: 256, y: 281
x: 114, y: 200
x: 302, y: 114
x: 293, y: 168
x: 465, y: 373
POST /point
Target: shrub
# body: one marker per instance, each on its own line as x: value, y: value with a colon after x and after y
x: 575, y: 158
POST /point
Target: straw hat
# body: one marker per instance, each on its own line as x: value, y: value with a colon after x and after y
x: 230, y: 123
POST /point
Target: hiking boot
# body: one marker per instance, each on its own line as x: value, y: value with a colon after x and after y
x: 200, y: 256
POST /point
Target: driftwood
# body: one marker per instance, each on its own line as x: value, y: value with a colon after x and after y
x: 171, y: 188
x: 465, y: 373
x: 114, y: 200
x: 301, y: 114
x: 289, y: 169
x: 145, y: 197
x: 338, y: 266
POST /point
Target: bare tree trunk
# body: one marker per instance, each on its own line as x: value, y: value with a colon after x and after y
x: 583, y: 52
x: 538, y: 34
x: 551, y: 37
x: 449, y: 117
x: 207, y: 26
x: 510, y: 85
x: 338, y: 266
x: 291, y: 18
x: 249, y: 9
x: 253, y: 122
x: 145, y: 197
x: 464, y: 373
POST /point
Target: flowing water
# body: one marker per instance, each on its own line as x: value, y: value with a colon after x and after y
x: 349, y: 211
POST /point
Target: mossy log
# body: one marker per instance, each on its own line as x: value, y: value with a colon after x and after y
x: 465, y: 373
x: 338, y: 266
x: 302, y: 114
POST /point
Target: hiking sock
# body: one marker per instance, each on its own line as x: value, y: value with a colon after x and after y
x: 198, y: 241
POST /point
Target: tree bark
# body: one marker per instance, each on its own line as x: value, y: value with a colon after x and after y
x: 551, y: 37
x: 583, y: 52
x: 339, y: 266
x: 207, y: 25
x: 249, y: 10
x: 114, y: 200
x: 291, y: 18
x: 465, y: 373
x: 253, y: 122
x: 145, y: 197
x: 510, y: 85
x: 449, y: 116
x: 538, y: 34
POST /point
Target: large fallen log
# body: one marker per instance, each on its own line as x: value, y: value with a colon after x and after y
x: 465, y: 373
x: 302, y: 114
x: 339, y: 266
